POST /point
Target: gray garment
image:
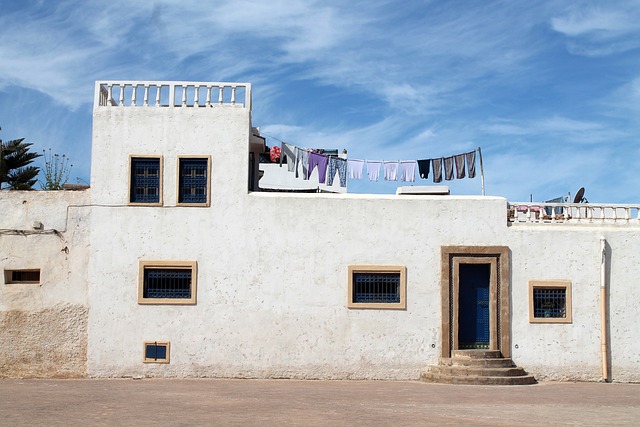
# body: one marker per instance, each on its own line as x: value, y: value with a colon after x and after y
x: 471, y: 163
x: 448, y: 168
x: 459, y: 158
x: 436, y: 165
x: 289, y: 151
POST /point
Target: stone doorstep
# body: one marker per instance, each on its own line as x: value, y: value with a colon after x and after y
x: 486, y: 363
x: 466, y: 371
x: 477, y: 380
x: 481, y: 367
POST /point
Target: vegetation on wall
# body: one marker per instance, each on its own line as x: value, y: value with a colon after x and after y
x: 56, y: 171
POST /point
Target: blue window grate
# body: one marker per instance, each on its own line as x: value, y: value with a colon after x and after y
x: 145, y: 180
x: 376, y: 287
x: 193, y: 181
x: 155, y: 351
x: 549, y: 302
x: 167, y: 283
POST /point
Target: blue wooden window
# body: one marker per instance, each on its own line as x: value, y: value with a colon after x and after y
x: 145, y: 180
x: 549, y: 302
x: 192, y: 187
x: 167, y: 283
x: 155, y: 351
x: 372, y: 287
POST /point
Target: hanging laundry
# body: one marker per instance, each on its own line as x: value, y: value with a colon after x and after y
x: 459, y: 159
x: 448, y: 168
x: 408, y: 170
x: 437, y: 169
x: 302, y: 158
x: 289, y: 151
x: 423, y: 168
x: 354, y: 167
x: 336, y: 164
x: 373, y: 169
x: 321, y: 161
x: 471, y: 163
x: 274, y: 154
x: 390, y: 170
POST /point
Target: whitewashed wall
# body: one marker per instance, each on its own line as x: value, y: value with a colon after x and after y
x: 272, y: 268
x: 43, y: 327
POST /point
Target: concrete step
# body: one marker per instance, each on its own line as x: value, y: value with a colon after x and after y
x: 476, y: 380
x: 476, y: 354
x: 466, y: 371
x: 485, y: 363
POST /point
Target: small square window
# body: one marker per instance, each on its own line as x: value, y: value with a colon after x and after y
x: 377, y: 286
x: 28, y: 276
x: 193, y: 181
x: 550, y: 301
x: 146, y: 180
x: 167, y: 282
x: 156, y: 351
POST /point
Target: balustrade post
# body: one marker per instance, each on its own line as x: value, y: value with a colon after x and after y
x: 172, y: 95
x: 133, y: 95
x: 122, y: 87
x: 233, y: 95
x: 146, y: 96
x: 109, y: 95
x: 220, y: 98
x: 184, y: 95
x: 158, y: 90
x: 196, y: 100
x: 208, y: 102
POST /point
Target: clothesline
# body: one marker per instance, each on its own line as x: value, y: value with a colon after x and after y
x: 329, y: 166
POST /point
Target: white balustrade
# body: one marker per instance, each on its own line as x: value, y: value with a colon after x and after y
x: 572, y: 213
x: 125, y: 94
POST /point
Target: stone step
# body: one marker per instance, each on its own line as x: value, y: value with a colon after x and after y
x: 476, y: 380
x: 466, y: 371
x: 486, y: 363
x: 476, y: 354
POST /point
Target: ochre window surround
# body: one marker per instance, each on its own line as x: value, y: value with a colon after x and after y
x: 193, y: 185
x: 167, y: 282
x: 387, y: 287
x: 550, y: 301
x: 145, y: 180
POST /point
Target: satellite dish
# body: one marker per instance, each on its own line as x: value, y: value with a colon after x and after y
x: 580, y: 196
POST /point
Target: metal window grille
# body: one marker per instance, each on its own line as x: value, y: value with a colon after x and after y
x: 145, y: 180
x: 193, y: 181
x: 155, y: 351
x: 167, y: 283
x: 549, y: 302
x: 18, y: 276
x: 376, y: 287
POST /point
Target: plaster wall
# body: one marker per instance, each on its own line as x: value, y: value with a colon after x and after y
x: 272, y: 268
x: 43, y: 326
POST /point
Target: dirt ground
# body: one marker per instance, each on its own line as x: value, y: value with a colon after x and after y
x: 182, y: 402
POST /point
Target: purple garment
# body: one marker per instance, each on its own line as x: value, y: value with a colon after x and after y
x: 471, y: 163
x: 448, y: 168
x: 459, y: 158
x: 321, y: 161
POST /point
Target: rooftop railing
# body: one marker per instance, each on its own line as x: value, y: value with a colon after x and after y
x: 572, y: 213
x: 172, y: 94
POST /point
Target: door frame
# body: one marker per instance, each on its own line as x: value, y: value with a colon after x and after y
x: 499, y: 294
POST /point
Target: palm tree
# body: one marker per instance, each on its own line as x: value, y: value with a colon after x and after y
x: 15, y: 172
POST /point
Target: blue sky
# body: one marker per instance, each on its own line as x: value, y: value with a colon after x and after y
x: 549, y: 89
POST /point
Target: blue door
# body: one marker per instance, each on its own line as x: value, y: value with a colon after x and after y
x: 473, y: 297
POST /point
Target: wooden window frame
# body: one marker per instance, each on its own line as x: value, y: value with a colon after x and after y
x: 359, y: 268
x: 551, y: 284
x: 186, y: 265
x: 145, y: 359
x: 207, y: 203
x: 160, y: 159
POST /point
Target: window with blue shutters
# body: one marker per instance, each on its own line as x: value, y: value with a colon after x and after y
x: 193, y: 181
x: 146, y: 180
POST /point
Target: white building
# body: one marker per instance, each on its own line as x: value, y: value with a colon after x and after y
x: 169, y: 257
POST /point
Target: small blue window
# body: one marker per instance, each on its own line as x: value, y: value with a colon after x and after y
x: 145, y: 180
x: 376, y: 287
x: 167, y: 283
x: 549, y: 303
x: 193, y: 179
x: 156, y: 352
